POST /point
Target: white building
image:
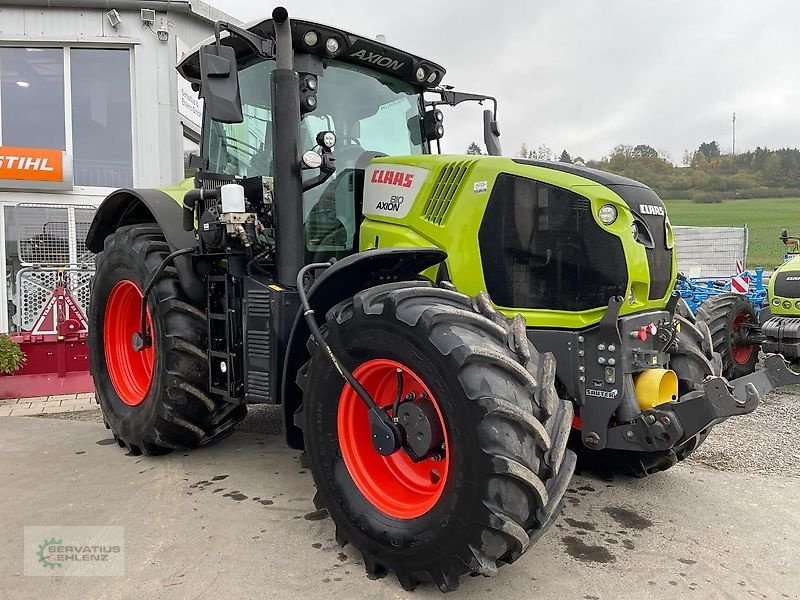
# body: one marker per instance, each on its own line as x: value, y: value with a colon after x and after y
x: 89, y: 101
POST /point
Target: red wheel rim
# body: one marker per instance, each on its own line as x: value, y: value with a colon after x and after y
x: 131, y: 372
x: 741, y: 353
x: 393, y: 484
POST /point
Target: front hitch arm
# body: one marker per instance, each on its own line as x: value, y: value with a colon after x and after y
x: 671, y: 424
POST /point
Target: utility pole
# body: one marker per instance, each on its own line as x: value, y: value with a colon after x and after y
x: 734, y: 134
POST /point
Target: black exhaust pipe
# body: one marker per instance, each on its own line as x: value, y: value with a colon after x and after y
x: 288, y: 201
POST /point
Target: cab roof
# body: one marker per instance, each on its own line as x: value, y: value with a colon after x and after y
x: 353, y: 48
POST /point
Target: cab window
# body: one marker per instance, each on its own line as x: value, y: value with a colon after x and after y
x: 244, y: 148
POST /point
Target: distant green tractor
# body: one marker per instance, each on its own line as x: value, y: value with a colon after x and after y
x: 435, y: 327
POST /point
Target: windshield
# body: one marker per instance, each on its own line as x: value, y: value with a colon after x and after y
x: 372, y: 114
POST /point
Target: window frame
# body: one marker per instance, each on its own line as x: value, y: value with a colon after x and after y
x: 66, y: 46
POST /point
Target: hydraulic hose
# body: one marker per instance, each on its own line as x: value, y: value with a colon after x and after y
x: 308, y: 314
x: 387, y: 435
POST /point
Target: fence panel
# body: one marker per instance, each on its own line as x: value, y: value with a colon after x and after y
x: 710, y: 251
x: 51, y: 248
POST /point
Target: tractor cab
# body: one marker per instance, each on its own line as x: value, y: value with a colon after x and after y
x: 362, y: 97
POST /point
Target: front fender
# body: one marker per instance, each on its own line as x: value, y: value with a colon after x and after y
x: 131, y: 206
x: 339, y: 282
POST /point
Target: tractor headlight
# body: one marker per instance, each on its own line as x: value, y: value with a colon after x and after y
x: 631, y: 297
x: 776, y: 302
x: 607, y: 214
x: 797, y: 305
x: 310, y: 38
x: 432, y: 77
x: 332, y: 45
x: 787, y: 305
x: 421, y: 74
x: 635, y: 230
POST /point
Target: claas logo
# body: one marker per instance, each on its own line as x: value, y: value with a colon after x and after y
x: 387, y: 177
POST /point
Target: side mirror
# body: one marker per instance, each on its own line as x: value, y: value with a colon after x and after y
x: 491, y: 134
x: 220, y: 83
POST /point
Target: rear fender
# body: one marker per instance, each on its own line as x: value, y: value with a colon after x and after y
x: 129, y: 207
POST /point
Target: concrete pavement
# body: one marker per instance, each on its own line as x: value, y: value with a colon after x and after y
x: 236, y: 521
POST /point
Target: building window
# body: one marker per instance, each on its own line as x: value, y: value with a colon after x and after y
x: 33, y: 89
x: 32, y: 97
x: 101, y: 117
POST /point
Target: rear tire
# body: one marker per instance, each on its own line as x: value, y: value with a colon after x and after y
x: 506, y: 432
x: 170, y: 409
x: 727, y: 317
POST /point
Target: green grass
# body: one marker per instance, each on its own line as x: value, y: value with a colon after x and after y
x: 765, y: 218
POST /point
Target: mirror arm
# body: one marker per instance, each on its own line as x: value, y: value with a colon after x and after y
x: 263, y: 47
x: 325, y: 171
x: 453, y: 98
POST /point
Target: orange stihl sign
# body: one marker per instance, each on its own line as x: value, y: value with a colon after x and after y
x: 33, y: 164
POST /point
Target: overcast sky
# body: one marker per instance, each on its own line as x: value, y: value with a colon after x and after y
x: 587, y: 75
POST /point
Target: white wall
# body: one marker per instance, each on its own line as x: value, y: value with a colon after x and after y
x: 157, y: 151
x: 157, y: 129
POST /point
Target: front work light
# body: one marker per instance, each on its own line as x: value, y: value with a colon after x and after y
x: 607, y: 214
x: 310, y: 38
x: 326, y: 139
x: 421, y: 74
x: 432, y: 124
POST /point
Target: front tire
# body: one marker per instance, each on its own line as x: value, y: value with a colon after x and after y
x: 500, y: 479
x: 155, y: 400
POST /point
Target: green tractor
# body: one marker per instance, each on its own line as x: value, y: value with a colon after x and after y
x: 780, y: 319
x: 436, y: 328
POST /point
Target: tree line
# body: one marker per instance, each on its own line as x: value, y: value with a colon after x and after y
x: 704, y: 175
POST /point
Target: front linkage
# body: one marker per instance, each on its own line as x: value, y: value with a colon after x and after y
x: 688, y: 394
x: 675, y: 423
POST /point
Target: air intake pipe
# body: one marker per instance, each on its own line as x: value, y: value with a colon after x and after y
x: 288, y: 202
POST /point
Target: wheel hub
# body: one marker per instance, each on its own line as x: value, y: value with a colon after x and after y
x: 421, y: 427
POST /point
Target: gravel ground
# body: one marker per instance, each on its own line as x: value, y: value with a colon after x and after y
x: 766, y: 441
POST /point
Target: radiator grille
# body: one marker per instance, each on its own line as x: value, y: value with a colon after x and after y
x: 444, y: 191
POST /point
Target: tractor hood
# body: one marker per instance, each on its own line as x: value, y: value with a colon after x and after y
x: 649, y: 213
x: 351, y: 48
